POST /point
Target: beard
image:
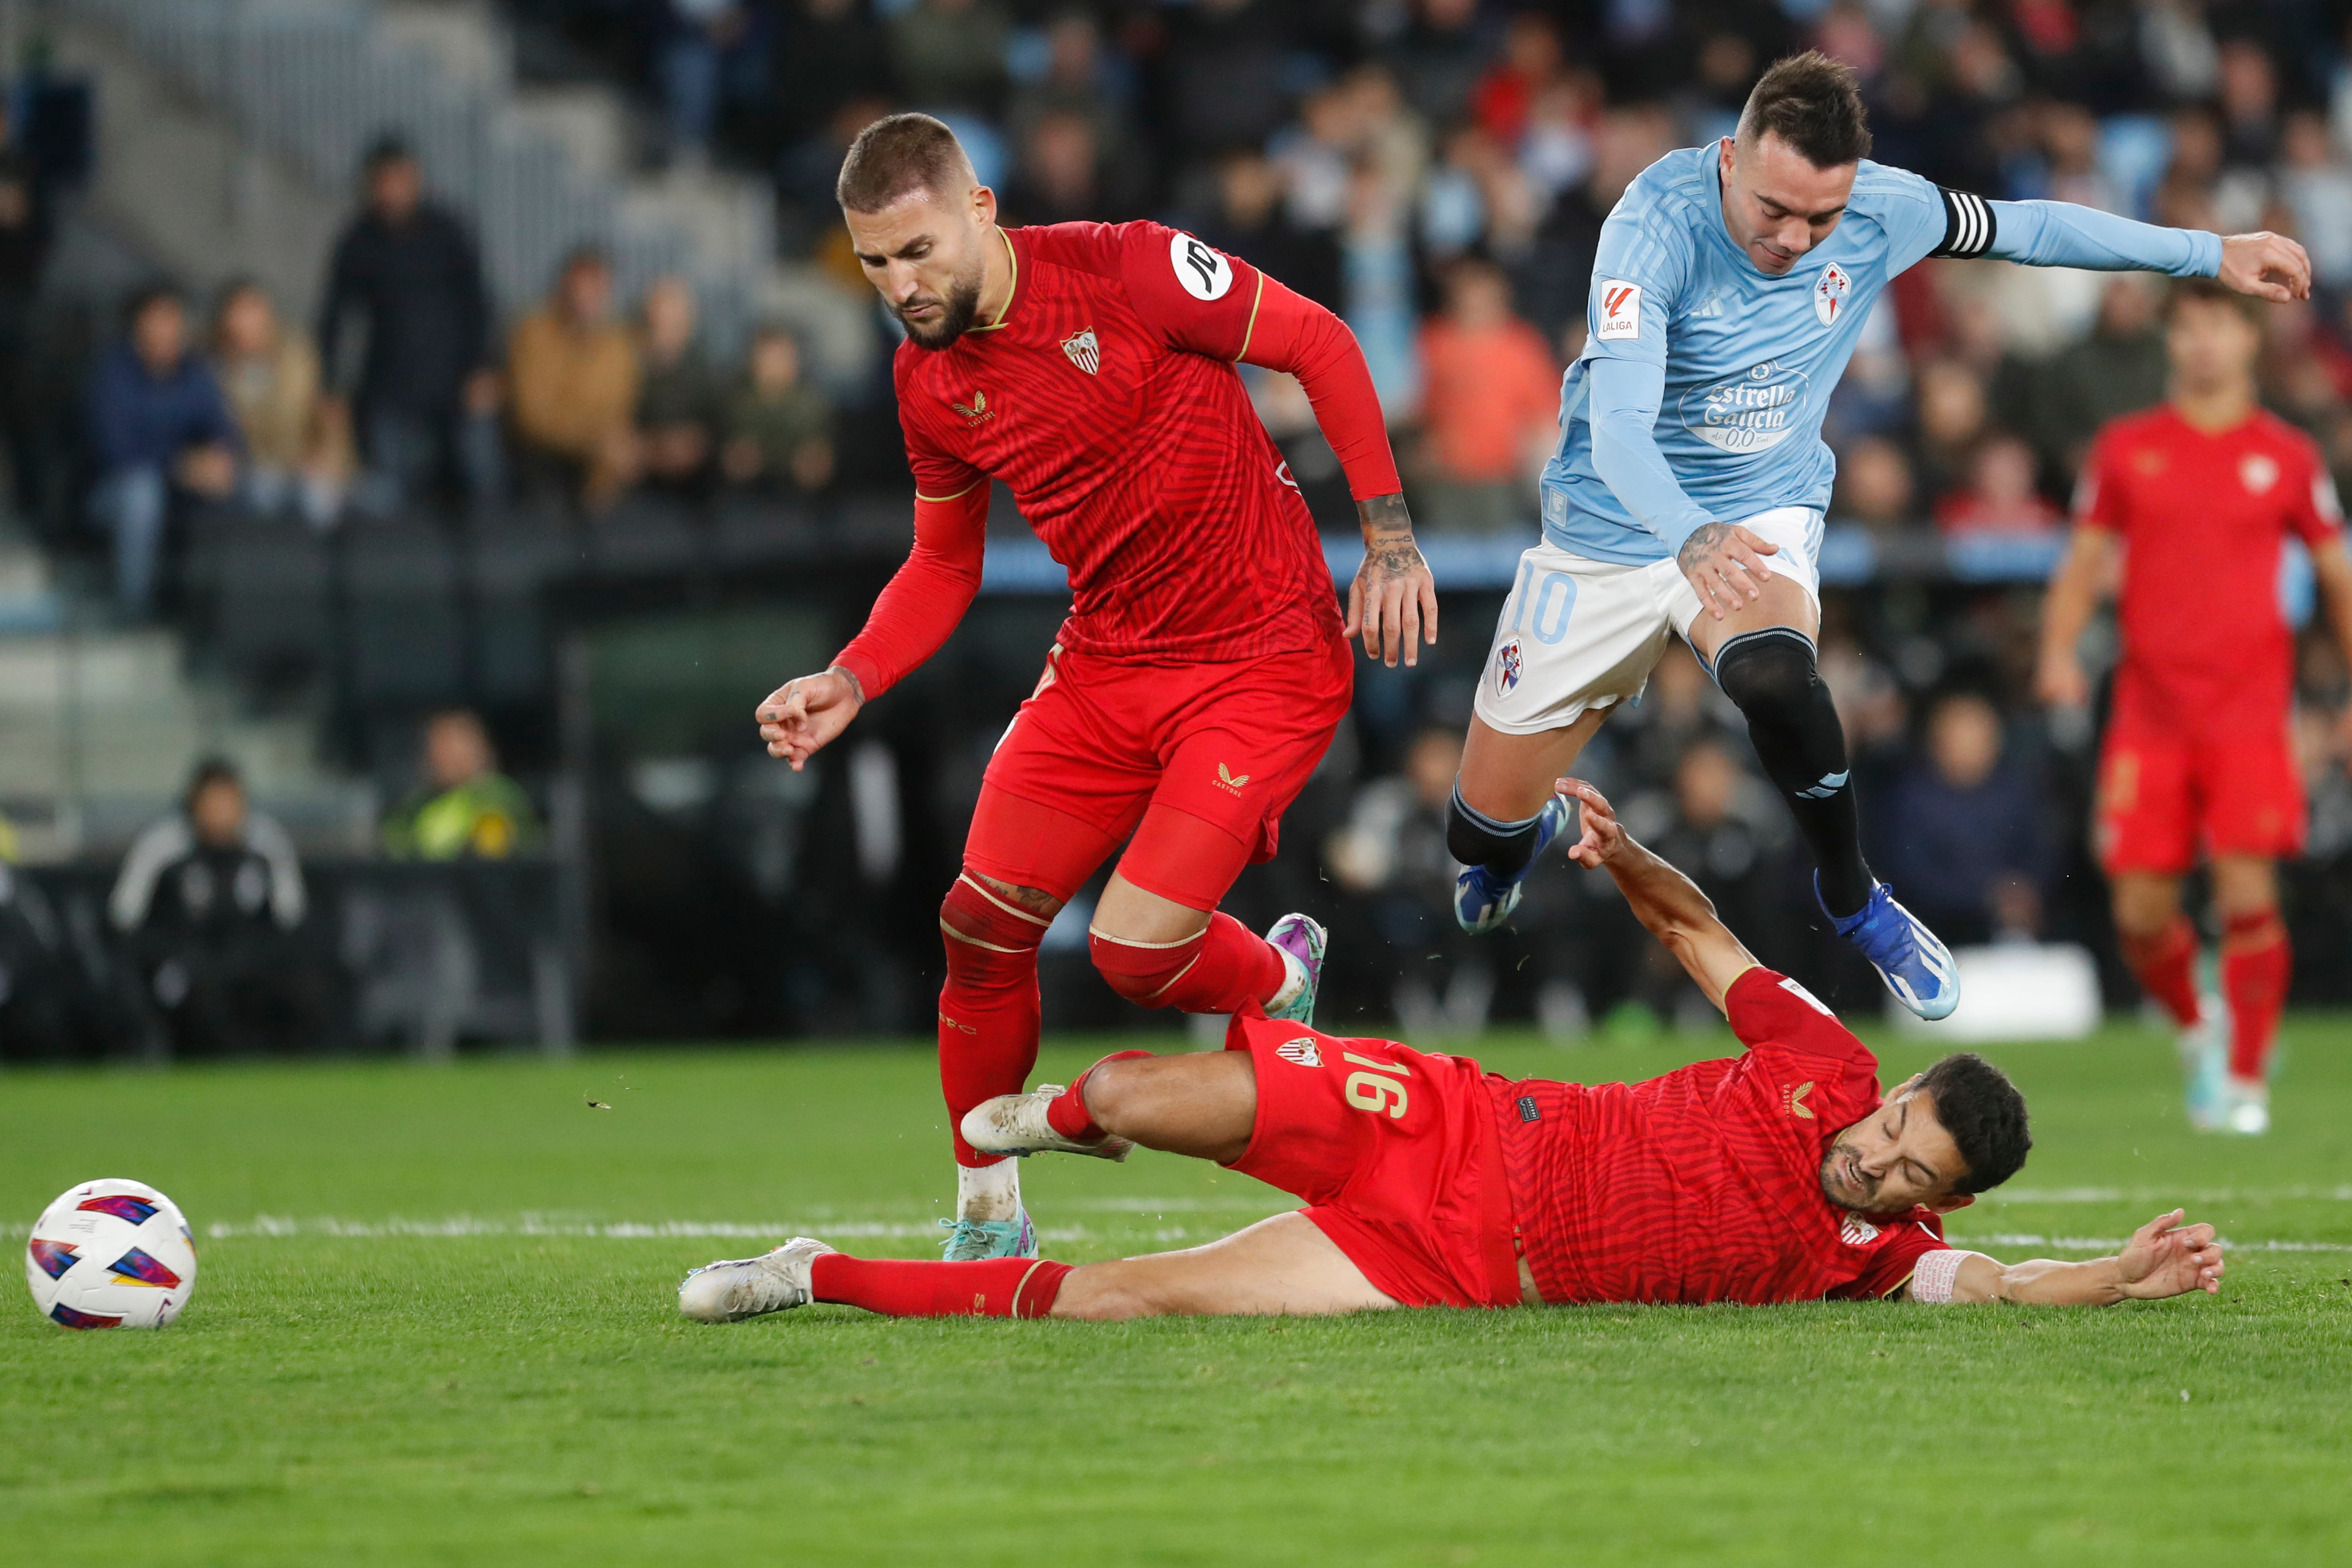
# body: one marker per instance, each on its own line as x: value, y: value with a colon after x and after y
x: 956, y: 314
x: 1843, y: 1185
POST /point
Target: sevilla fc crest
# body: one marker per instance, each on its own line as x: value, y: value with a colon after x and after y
x: 1509, y: 667
x: 1301, y: 1050
x: 1084, y: 351
x: 1829, y: 293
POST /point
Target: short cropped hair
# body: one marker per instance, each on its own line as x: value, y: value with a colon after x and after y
x: 1812, y: 103
x: 1985, y: 1115
x: 2211, y: 291
x: 895, y: 156
x: 208, y: 772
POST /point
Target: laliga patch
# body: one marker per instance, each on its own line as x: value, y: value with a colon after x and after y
x: 1509, y: 665
x: 1829, y: 293
x: 1621, y: 309
x: 1301, y: 1050
x: 1205, y: 274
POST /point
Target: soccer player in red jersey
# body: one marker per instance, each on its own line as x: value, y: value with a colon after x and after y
x: 1204, y: 664
x: 1782, y: 1174
x: 2202, y: 495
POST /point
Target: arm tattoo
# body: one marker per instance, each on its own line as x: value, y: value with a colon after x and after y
x: 846, y: 673
x: 1389, y: 547
x: 1703, y: 538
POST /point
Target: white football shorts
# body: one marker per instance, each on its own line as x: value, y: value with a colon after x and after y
x: 1579, y: 634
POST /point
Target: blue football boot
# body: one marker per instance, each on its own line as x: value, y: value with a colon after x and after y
x: 1483, y: 901
x: 1915, y: 965
x: 970, y: 1241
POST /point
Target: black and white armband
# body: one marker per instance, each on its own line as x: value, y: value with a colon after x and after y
x: 1968, y: 225
x: 1933, y: 1276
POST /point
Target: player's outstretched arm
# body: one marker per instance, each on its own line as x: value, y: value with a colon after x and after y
x: 2062, y: 234
x: 2332, y: 567
x: 2074, y: 598
x: 2164, y: 1258
x: 1669, y: 903
x: 917, y: 610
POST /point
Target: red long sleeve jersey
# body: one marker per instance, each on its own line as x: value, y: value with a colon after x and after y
x: 1703, y: 1185
x: 1105, y: 397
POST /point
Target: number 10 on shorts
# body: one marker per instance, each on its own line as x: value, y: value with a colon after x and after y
x: 1374, y: 1091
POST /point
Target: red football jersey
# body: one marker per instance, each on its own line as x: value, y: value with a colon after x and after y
x: 1107, y: 399
x: 2202, y: 516
x: 1703, y: 1185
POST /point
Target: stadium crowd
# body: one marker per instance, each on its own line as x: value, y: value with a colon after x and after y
x: 1437, y: 171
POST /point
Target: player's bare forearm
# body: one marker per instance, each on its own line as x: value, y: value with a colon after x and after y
x: 1392, y: 603
x: 2164, y: 1258
x: 2067, y: 610
x: 1669, y: 906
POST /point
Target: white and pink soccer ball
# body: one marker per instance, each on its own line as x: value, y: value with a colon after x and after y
x: 110, y: 1254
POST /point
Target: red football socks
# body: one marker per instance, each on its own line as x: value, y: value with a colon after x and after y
x: 987, y: 1009
x: 2256, y: 964
x: 898, y: 1288
x: 1068, y: 1115
x: 1222, y: 970
x: 2166, y: 967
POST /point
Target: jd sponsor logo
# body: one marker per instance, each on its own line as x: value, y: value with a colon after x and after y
x: 1746, y: 412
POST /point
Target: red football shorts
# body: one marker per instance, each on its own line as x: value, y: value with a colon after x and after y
x: 1228, y: 744
x: 1396, y: 1153
x: 2170, y: 790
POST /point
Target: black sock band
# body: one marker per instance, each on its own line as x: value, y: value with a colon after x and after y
x: 1475, y: 838
x: 1770, y: 675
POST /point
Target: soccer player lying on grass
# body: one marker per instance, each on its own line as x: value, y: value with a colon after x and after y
x: 1778, y: 1175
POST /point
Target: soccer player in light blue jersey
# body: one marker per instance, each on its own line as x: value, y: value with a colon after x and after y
x: 1687, y: 489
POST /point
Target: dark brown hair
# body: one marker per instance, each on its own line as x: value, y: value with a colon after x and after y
x: 1813, y: 104
x: 1985, y: 1115
x: 2211, y: 291
x: 896, y: 155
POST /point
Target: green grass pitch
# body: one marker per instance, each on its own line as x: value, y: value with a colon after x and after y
x: 435, y: 1325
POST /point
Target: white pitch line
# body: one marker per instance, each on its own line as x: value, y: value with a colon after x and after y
x: 2167, y: 1195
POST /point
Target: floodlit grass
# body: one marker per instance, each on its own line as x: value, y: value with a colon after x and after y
x: 435, y: 1325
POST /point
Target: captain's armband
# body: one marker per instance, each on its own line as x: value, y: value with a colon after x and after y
x: 1968, y: 224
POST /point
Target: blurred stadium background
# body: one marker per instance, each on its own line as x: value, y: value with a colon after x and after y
x: 457, y: 534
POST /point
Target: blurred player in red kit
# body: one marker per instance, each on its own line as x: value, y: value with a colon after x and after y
x: 2202, y: 495
x: 1780, y: 1175
x: 1204, y: 664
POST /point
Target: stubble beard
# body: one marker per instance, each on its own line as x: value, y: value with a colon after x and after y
x: 1832, y: 1177
x: 958, y: 312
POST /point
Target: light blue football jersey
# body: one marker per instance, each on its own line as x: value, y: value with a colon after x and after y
x: 1751, y: 359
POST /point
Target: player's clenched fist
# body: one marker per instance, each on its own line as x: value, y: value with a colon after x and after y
x: 803, y: 714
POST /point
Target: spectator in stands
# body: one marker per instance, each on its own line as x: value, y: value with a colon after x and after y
x: 1951, y: 402
x: 1058, y: 178
x: 1719, y: 824
x: 25, y: 238
x: 1875, y: 487
x: 696, y: 40
x: 1250, y: 221
x: 779, y: 428
x: 2118, y: 370
x: 1078, y: 81
x: 1998, y: 496
x: 297, y: 451
x: 1439, y: 57
x: 949, y: 54
x: 162, y: 435
x: 576, y: 377
x: 680, y: 401
x: 406, y: 276
x: 1965, y: 839
x: 2317, y: 188
x: 826, y: 54
x: 1490, y: 402
x: 466, y: 808
x: 209, y: 897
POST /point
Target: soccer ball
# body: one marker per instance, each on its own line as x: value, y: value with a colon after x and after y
x: 110, y: 1254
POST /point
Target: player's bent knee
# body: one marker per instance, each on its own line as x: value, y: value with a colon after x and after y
x: 983, y: 930
x: 1142, y: 972
x: 1771, y: 671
